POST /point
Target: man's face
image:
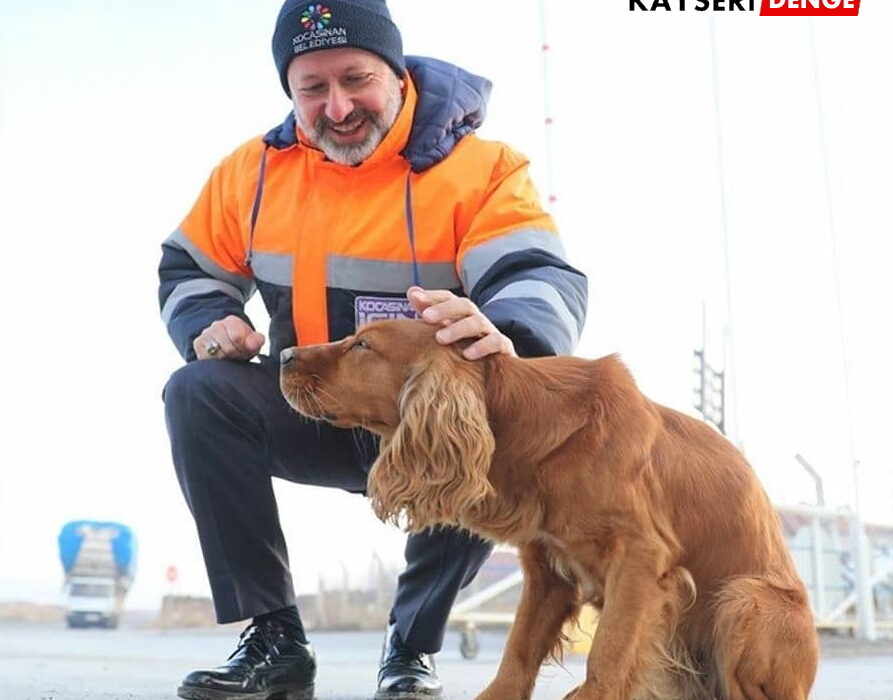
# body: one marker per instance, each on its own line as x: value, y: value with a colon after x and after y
x: 345, y: 101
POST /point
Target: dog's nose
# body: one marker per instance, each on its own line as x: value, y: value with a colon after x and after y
x: 286, y: 356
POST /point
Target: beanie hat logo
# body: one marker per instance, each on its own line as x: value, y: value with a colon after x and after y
x: 316, y: 17
x: 317, y: 33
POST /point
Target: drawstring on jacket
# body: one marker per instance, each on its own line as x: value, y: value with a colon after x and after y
x: 259, y: 193
x: 255, y: 209
x: 410, y: 225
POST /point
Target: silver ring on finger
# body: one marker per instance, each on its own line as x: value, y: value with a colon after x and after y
x: 212, y: 347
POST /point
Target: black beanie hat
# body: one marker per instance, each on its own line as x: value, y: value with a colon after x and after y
x: 303, y: 27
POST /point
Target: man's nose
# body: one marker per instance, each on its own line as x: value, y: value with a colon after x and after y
x: 338, y: 105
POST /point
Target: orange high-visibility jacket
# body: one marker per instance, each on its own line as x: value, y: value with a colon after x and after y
x: 331, y: 246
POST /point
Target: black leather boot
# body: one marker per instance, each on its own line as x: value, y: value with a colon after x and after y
x: 405, y: 674
x: 268, y: 662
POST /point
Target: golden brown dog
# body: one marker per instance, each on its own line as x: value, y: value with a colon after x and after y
x: 610, y: 499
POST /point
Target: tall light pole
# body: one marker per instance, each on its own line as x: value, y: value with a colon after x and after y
x: 864, y: 598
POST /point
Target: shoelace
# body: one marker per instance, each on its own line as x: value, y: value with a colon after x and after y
x: 256, y: 640
x: 402, y: 656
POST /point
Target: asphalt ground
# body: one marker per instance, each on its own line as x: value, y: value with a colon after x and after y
x: 44, y: 661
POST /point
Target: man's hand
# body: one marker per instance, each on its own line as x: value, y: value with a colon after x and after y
x: 232, y: 337
x: 460, y: 318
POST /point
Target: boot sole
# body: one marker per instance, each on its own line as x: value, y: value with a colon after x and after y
x: 418, y: 695
x: 282, y: 692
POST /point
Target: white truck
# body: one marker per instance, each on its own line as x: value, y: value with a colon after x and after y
x: 99, y: 561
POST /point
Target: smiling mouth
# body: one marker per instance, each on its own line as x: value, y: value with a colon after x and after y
x: 347, y: 129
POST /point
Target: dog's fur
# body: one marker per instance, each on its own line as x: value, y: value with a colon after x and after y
x: 610, y: 499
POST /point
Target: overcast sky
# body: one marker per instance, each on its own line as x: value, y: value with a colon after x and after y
x: 113, y: 114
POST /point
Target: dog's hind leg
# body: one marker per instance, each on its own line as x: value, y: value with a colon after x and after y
x: 547, y: 602
x: 644, y: 596
x: 765, y: 640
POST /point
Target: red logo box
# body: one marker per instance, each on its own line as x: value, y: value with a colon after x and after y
x: 810, y: 8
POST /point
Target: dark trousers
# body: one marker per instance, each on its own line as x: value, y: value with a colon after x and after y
x: 231, y: 431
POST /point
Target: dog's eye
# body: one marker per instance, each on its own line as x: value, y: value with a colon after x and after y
x: 360, y: 344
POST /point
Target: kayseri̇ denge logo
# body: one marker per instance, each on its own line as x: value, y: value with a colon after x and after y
x: 769, y: 8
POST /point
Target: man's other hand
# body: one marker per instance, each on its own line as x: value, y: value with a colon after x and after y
x: 229, y: 337
x: 461, y: 319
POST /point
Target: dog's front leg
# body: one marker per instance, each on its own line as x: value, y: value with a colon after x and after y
x: 642, y: 593
x: 547, y: 601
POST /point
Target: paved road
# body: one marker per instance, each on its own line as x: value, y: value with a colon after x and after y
x: 48, y: 662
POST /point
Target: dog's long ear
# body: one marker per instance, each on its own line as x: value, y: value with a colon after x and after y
x: 435, y: 465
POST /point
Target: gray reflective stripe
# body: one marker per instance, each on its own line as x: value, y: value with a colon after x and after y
x: 481, y: 258
x: 387, y: 275
x: 535, y: 289
x: 194, y: 288
x: 275, y: 268
x: 178, y: 239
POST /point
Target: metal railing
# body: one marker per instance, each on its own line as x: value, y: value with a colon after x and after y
x: 826, y: 550
x: 822, y: 544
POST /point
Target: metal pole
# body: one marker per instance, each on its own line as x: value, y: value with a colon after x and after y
x: 548, y: 118
x: 818, y: 568
x: 816, y: 477
x: 732, y: 426
x: 817, y: 563
x: 865, y: 603
x: 704, y: 327
x: 864, y: 597
x: 700, y: 370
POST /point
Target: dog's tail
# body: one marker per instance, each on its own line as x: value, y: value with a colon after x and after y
x: 765, y: 640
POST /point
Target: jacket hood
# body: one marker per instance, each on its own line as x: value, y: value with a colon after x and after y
x: 451, y: 104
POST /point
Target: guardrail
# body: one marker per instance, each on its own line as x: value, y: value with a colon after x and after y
x: 821, y: 544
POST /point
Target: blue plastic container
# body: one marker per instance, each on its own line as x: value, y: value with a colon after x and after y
x: 123, y: 544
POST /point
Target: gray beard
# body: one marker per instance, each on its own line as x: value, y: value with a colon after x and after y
x: 355, y: 153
